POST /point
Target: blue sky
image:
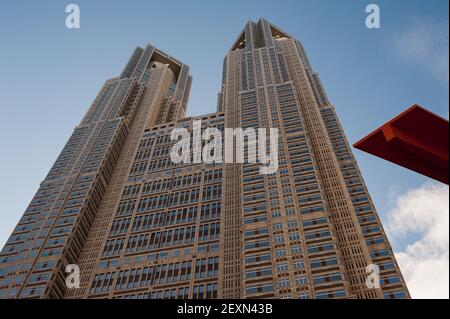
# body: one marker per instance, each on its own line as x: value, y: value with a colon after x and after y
x: 50, y: 74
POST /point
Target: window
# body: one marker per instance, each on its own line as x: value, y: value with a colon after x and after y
x: 283, y: 283
x: 259, y: 289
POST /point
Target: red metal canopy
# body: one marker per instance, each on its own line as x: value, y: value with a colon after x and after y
x: 416, y: 139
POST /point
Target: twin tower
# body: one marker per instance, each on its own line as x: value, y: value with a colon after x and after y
x: 137, y: 225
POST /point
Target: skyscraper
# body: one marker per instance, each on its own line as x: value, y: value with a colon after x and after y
x: 139, y: 225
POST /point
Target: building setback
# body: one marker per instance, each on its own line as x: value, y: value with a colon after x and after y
x: 140, y: 226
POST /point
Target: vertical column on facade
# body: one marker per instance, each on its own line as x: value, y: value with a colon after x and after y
x: 354, y: 252
x: 89, y: 257
x: 232, y: 214
x: 304, y: 225
x: 392, y: 282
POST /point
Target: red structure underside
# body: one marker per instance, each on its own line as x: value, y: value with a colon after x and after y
x: 416, y: 139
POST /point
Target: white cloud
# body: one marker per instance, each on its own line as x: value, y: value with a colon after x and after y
x: 422, y: 216
x: 427, y: 45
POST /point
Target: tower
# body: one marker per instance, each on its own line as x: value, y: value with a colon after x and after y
x: 140, y: 226
x: 311, y: 228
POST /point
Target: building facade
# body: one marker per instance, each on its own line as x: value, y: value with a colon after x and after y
x: 140, y: 226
